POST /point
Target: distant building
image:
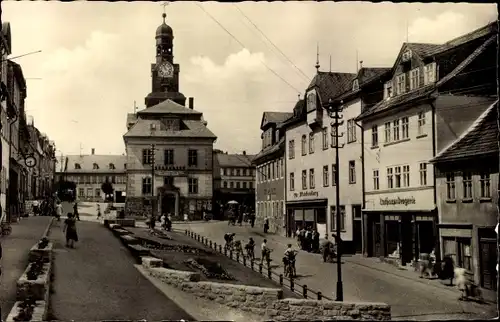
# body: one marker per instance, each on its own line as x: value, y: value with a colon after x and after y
x: 177, y: 176
x: 270, y: 173
x: 90, y: 171
x: 467, y: 198
x: 236, y: 179
x: 434, y: 93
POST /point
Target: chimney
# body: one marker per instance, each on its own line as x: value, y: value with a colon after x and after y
x: 191, y: 103
x: 93, y: 151
x: 244, y: 152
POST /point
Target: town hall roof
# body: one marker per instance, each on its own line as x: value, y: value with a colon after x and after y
x: 168, y: 107
x: 190, y: 129
x: 479, y: 140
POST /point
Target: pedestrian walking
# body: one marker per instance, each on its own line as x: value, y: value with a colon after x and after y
x: 36, y: 206
x: 59, y: 211
x: 266, y: 225
x: 99, y: 211
x: 75, y: 211
x: 252, y: 219
x: 315, y: 241
x: 70, y: 230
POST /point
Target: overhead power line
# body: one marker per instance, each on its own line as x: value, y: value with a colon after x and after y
x: 272, y: 43
x: 242, y: 45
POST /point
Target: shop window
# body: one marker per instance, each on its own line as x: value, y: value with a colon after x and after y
x: 334, y: 220
x: 485, y: 185
x: 312, y: 181
x: 467, y: 185
x: 304, y: 179
x: 459, y: 249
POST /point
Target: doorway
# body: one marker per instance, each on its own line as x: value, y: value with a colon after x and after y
x: 168, y: 204
x: 357, y: 236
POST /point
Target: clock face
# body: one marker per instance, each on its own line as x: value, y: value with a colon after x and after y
x: 166, y: 70
x: 30, y: 162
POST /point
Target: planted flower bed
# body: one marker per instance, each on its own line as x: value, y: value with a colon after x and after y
x: 209, y: 269
x: 28, y: 310
x: 41, y: 251
x: 160, y: 234
x: 174, y: 248
x: 34, y: 283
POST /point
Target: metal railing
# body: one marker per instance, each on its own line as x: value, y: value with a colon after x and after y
x: 288, y: 282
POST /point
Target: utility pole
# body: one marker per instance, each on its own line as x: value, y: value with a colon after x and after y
x: 152, y: 179
x: 337, y: 123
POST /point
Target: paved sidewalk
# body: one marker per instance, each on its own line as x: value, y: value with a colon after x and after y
x: 26, y: 233
x: 98, y: 281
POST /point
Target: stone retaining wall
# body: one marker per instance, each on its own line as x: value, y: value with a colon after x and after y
x: 266, y: 302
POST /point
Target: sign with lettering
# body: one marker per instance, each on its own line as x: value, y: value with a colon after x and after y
x: 397, y: 201
x: 171, y: 173
x: 270, y: 191
x: 305, y: 194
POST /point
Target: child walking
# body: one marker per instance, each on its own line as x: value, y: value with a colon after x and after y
x: 70, y: 229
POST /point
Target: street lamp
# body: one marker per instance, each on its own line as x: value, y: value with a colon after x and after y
x: 336, y: 123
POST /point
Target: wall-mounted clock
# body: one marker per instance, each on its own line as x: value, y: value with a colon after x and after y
x: 30, y: 161
x: 166, y: 69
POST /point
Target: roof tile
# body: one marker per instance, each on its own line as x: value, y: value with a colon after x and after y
x: 195, y: 129
x: 168, y: 107
x: 86, y: 163
x: 234, y: 160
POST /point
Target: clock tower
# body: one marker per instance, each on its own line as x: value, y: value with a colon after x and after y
x: 164, y: 73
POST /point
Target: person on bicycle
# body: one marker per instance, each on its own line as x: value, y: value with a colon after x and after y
x: 265, y: 252
x: 229, y: 237
x: 237, y: 247
x: 289, y: 260
x: 327, y: 248
x: 250, y: 248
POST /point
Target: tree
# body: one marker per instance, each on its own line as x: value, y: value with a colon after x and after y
x: 107, y: 188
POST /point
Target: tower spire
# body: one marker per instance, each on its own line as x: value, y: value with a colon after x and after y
x: 164, y: 4
x: 317, y: 57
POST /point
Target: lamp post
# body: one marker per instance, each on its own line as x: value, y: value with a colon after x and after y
x: 152, y: 179
x: 334, y: 112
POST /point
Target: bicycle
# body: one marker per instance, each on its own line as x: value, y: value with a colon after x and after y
x: 6, y: 228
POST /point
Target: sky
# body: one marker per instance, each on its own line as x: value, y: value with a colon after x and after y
x: 96, y: 57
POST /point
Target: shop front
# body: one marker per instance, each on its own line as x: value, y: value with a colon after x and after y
x: 401, y: 225
x: 306, y: 212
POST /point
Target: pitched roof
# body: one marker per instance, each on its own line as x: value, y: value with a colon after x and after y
x: 168, y: 107
x: 86, y: 163
x: 269, y: 150
x: 234, y: 160
x: 422, y: 49
x: 365, y: 76
x: 194, y: 129
x: 480, y: 139
x: 331, y: 84
x: 274, y: 117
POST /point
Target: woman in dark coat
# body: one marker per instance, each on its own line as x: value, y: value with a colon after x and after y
x: 70, y: 229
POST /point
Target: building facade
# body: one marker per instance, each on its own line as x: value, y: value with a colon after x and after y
x: 270, y: 174
x: 90, y: 171
x: 168, y: 145
x: 424, y: 109
x: 467, y: 198
x: 236, y: 179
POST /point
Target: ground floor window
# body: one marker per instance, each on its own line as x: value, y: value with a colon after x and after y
x: 459, y: 249
x: 333, y: 216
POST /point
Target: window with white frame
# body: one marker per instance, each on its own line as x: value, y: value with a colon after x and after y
x: 333, y: 131
x: 406, y: 176
x: 421, y: 123
x: 312, y: 181
x: 401, y: 84
x: 429, y: 73
x: 146, y: 185
x: 334, y: 175
x: 326, y: 173
x: 304, y: 142
x: 376, y: 182
x: 351, y: 131
x: 405, y: 127
x: 414, y: 78
x: 467, y: 185
x: 292, y: 181
x: 396, y: 130
x: 325, y: 138
x: 484, y: 181
x: 450, y: 186
x: 291, y: 149
x: 388, y: 90
x: 397, y: 177
x: 352, y: 172
x: 390, y: 179
x: 387, y: 132
x: 374, y: 136
x: 304, y: 179
x: 311, y: 142
x: 333, y: 216
x: 423, y: 174
x: 193, y: 185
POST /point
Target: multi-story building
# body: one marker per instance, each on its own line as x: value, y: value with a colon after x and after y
x: 236, y: 179
x: 434, y: 94
x: 176, y: 176
x: 270, y: 173
x: 467, y: 198
x: 90, y: 171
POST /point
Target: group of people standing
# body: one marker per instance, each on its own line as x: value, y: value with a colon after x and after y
x: 308, y: 239
x: 165, y: 222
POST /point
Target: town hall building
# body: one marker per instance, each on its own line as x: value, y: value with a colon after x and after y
x: 169, y: 147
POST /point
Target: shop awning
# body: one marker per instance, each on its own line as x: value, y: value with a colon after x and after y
x: 399, y: 210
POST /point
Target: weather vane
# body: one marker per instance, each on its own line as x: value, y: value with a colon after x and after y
x: 164, y: 4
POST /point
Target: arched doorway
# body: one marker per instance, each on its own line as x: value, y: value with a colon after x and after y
x: 168, y: 200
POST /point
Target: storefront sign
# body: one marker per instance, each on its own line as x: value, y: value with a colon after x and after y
x: 270, y: 191
x: 397, y: 201
x: 171, y: 173
x: 305, y: 194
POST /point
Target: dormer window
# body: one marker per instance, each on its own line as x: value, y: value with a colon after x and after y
x: 96, y: 166
x: 111, y: 166
x: 277, y: 135
x: 429, y: 73
x: 152, y: 126
x: 414, y: 78
x: 311, y: 101
x: 355, y: 85
x: 388, y: 93
x: 406, y: 56
x: 400, y: 84
x: 77, y: 166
